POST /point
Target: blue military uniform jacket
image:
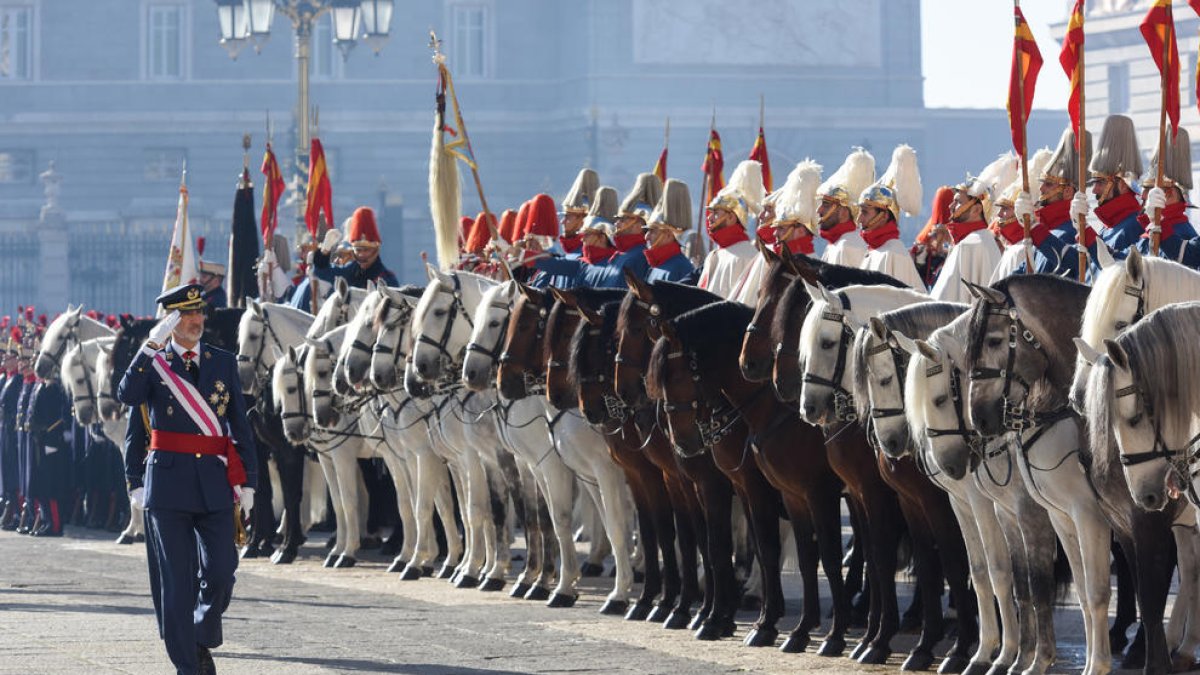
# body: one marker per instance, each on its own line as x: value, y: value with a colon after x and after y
x: 355, y: 275
x: 609, y: 275
x: 546, y: 279
x: 1185, y: 251
x: 9, y: 480
x: 676, y: 268
x: 50, y: 438
x: 187, y: 481
x: 216, y: 298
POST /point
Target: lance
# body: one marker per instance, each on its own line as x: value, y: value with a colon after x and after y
x: 1080, y: 145
x: 1156, y: 226
x: 1028, y: 225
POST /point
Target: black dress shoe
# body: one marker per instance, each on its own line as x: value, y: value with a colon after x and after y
x: 205, y: 661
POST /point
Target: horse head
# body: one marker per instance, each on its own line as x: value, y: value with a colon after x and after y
x: 287, y: 389
x: 522, y: 354
x: 935, y: 402
x: 487, y: 337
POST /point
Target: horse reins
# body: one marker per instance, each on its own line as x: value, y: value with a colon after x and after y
x: 843, y: 400
x: 1015, y: 415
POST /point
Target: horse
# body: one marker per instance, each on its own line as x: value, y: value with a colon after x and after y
x: 693, y: 370
x: 65, y: 331
x: 1021, y: 356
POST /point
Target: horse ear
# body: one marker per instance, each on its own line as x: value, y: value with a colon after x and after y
x: 1116, y: 353
x: 971, y: 288
x: 770, y: 255
x: 1135, y: 266
x: 1104, y: 255
x: 668, y: 331
x: 637, y: 286
x: 928, y: 351
x: 256, y: 307
x: 906, y: 343
x: 291, y: 353
x: 342, y: 288
x: 989, y: 294
x: 814, y: 291
x: 952, y: 347
x: 877, y: 328
x: 590, y: 315
x: 529, y: 293
x: 1086, y: 352
x: 431, y: 272
x: 312, y: 342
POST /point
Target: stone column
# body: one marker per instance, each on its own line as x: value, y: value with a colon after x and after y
x: 54, y: 283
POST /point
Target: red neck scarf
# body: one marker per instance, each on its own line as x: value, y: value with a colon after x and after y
x: 1054, y: 213
x: 729, y: 235
x: 802, y: 244
x: 597, y: 255
x: 766, y: 234
x: 624, y: 242
x: 571, y: 244
x: 959, y: 231
x: 832, y: 234
x: 1012, y: 232
x: 30, y: 378
x: 1172, y: 215
x: 881, y: 235
x: 661, y: 254
x: 1113, y: 211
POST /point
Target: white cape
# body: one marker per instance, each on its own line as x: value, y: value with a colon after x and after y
x: 746, y: 291
x: 849, y: 250
x: 973, y: 259
x: 1012, y: 258
x: 725, y: 267
x: 892, y: 258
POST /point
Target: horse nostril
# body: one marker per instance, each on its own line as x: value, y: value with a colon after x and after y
x: 891, y: 444
x: 1150, y: 500
x: 470, y: 375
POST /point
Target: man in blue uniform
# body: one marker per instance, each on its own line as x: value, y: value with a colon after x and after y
x: 1169, y: 200
x: 1114, y: 168
x: 671, y: 218
x: 1054, y: 232
x: 29, y: 512
x: 212, y: 278
x: 363, y: 235
x: 9, y: 482
x: 201, y: 446
x: 48, y: 424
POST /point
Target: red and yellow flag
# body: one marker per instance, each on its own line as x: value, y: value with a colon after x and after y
x: 1158, y: 29
x: 1072, y: 53
x: 1196, y: 7
x: 320, y: 192
x: 1026, y: 62
x: 759, y: 154
x: 714, y: 164
x: 273, y: 188
x: 660, y: 167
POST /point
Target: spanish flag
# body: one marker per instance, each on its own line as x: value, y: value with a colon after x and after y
x: 759, y: 154
x: 1158, y: 29
x: 320, y: 192
x: 660, y: 167
x: 1026, y: 62
x: 273, y: 188
x: 714, y: 164
x: 1072, y: 53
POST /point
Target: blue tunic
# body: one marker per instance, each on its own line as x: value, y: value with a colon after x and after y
x: 354, y: 274
x: 546, y: 279
x: 607, y: 275
x: 10, y: 482
x: 1122, y: 235
x: 676, y: 268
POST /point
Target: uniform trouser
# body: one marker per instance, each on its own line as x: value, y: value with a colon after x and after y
x: 191, y: 560
x: 10, y: 484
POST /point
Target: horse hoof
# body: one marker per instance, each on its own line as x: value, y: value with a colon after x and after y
x: 795, y: 643
x: 875, y: 656
x: 589, y: 569
x: 1181, y: 663
x: 250, y: 552
x: 397, y: 565
x: 345, y: 561
x: 750, y: 603
x: 678, y: 619
x: 330, y: 542
x: 491, y: 585
x: 519, y: 590
x: 709, y: 631
x: 952, y: 665
x: 445, y: 573
x: 639, y: 611
x: 614, y: 607
x: 918, y: 661
x: 977, y: 668
x: 859, y: 650
x: 538, y: 593
x: 466, y: 581
x: 761, y: 637
x: 329, y: 560
x: 284, y: 556
x: 1135, y: 658
x: 659, y: 614
x: 410, y: 573
x: 558, y: 600
x: 699, y: 619
x: 125, y: 540
x: 835, y: 647
x: 999, y: 669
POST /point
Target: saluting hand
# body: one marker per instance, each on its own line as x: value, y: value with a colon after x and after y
x: 162, y: 330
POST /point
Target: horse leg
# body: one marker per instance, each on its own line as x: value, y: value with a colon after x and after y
x: 991, y: 574
x: 717, y: 495
x: 557, y: 483
x: 402, y: 482
x: 764, y: 519
x: 350, y: 486
x: 1183, y: 613
x: 677, y: 541
x: 339, y: 514
x: 612, y: 492
x: 481, y: 527
x: 1152, y: 540
x: 882, y: 524
x: 929, y: 583
x: 531, y: 522
x: 1040, y: 550
x: 1126, y: 612
x: 855, y: 563
x: 645, y: 510
x: 952, y: 549
x: 827, y: 521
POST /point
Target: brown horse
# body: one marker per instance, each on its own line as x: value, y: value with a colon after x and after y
x: 694, y: 369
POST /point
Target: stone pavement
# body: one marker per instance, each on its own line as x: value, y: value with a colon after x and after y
x: 80, y: 605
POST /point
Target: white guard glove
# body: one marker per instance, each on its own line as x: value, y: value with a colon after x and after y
x: 1079, y: 207
x: 138, y: 498
x: 1023, y: 206
x: 332, y: 237
x: 245, y: 497
x: 267, y: 262
x: 1156, y: 200
x: 162, y: 330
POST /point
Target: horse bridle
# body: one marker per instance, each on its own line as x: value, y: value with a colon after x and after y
x: 614, y: 407
x: 456, y: 306
x: 56, y: 358
x: 1016, y: 416
x: 843, y: 400
x: 972, y: 438
x: 653, y: 316
x: 900, y: 362
x: 493, y: 352
x: 88, y: 375
x: 722, y: 417
x: 395, y: 351
x: 300, y: 394
x: 535, y: 384
x: 260, y: 371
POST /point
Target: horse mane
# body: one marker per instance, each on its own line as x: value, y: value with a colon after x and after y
x: 713, y: 331
x: 656, y: 367
x: 674, y: 298
x: 1098, y: 405
x: 579, y: 363
x: 915, y: 321
x: 794, y: 301
x: 1166, y: 281
x: 128, y: 340
x: 840, y: 276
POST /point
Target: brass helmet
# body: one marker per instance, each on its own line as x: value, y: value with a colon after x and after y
x: 743, y: 194
x: 899, y: 188
x: 846, y: 184
x: 1063, y: 167
x: 996, y: 176
x: 645, y: 193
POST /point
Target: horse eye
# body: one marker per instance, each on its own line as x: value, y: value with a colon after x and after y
x: 827, y: 344
x: 940, y: 401
x: 494, y: 324
x: 995, y: 342
x: 1122, y: 325
x: 1135, y: 420
x: 886, y: 381
x: 439, y: 313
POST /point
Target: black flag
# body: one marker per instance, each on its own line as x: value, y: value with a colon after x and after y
x: 243, y: 246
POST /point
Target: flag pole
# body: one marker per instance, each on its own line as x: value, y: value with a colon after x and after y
x: 762, y: 107
x: 1028, y: 226
x: 1080, y: 144
x: 1156, y: 227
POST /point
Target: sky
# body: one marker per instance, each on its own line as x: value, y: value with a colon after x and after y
x: 967, y: 54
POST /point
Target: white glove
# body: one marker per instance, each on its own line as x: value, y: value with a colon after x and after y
x: 138, y: 498
x: 332, y: 237
x: 1156, y: 200
x: 162, y: 330
x: 267, y: 262
x: 1023, y: 206
x: 245, y: 497
x: 1079, y: 207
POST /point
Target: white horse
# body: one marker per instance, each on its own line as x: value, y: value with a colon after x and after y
x: 1046, y: 457
x: 67, y: 330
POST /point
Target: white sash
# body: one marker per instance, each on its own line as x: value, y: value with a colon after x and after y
x: 189, y: 398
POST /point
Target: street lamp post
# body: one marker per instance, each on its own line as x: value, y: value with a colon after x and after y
x: 246, y: 21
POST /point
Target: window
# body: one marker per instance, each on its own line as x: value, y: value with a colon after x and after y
x: 164, y: 42
x: 16, y: 43
x: 326, y: 60
x: 163, y: 164
x: 1118, y: 88
x: 16, y: 167
x: 470, y: 34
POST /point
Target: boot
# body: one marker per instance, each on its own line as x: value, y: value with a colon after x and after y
x: 25, y: 522
x: 52, y: 525
x: 114, y: 522
x: 77, y: 513
x: 37, y: 516
x: 8, y: 519
x: 95, y: 510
